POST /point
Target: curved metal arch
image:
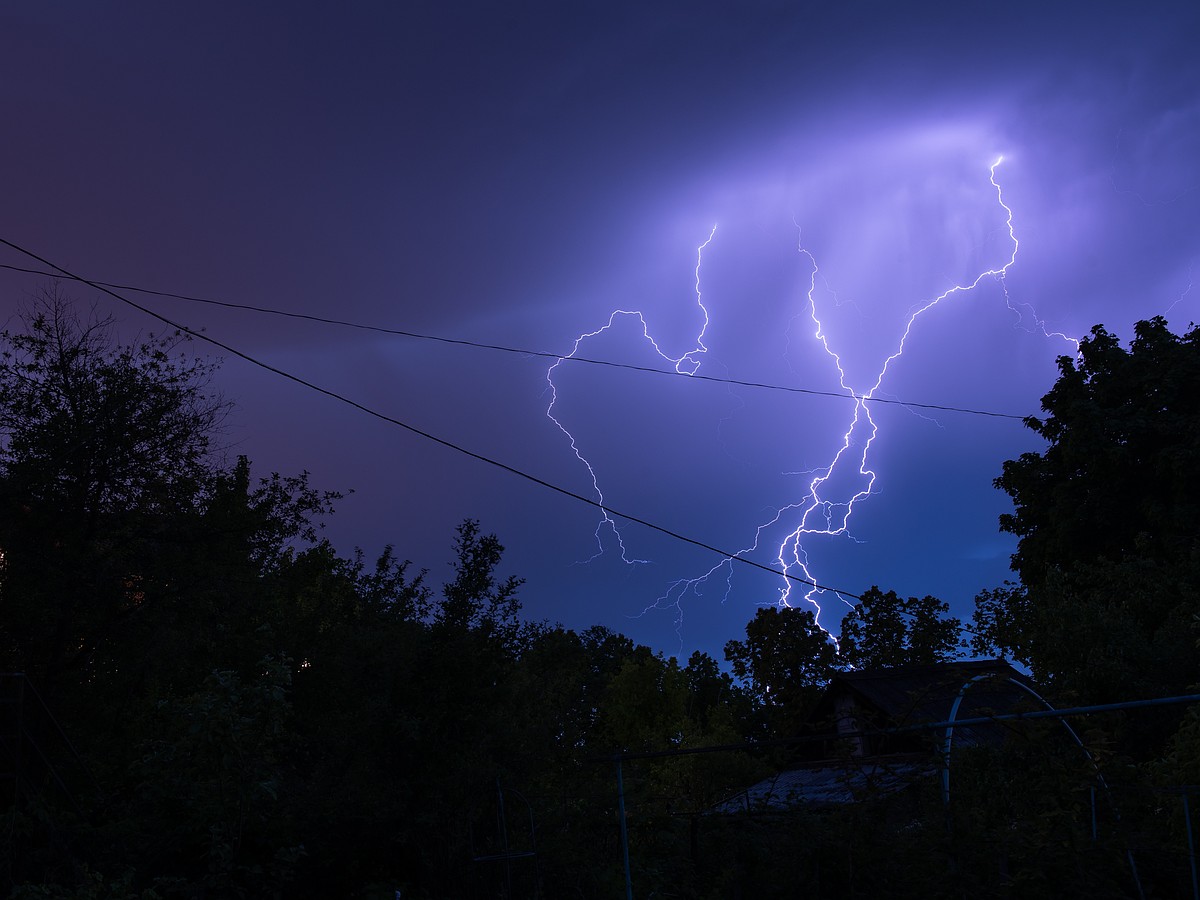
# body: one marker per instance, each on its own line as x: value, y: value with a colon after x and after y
x: 948, y: 741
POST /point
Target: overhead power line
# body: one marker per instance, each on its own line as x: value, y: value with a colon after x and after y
x: 199, y: 335
x: 517, y: 350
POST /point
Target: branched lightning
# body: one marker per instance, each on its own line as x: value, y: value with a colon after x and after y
x: 832, y: 491
x: 1183, y: 295
x: 686, y: 364
x: 823, y: 511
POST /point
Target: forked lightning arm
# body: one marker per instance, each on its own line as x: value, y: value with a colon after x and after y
x: 833, y: 490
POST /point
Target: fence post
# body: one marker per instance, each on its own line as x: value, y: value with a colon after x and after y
x: 624, y: 830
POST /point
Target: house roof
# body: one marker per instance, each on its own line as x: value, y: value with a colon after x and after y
x: 913, y: 695
x: 884, y: 698
x: 835, y: 782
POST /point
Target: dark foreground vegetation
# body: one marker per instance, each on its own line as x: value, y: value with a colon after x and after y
x: 216, y: 704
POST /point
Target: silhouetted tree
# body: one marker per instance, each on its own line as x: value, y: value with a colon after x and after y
x: 104, y: 452
x: 785, y: 662
x: 1107, y: 520
x: 884, y: 629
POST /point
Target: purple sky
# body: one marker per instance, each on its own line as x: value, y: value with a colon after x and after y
x: 514, y: 173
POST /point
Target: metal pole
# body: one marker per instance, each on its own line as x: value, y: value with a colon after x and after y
x: 1095, y: 832
x: 1187, y: 818
x: 504, y: 836
x: 624, y: 830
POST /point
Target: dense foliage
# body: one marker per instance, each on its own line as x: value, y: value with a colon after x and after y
x: 1107, y: 518
x: 240, y: 711
x: 884, y: 630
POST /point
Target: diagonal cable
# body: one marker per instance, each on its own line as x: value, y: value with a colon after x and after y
x: 199, y: 335
x: 841, y: 395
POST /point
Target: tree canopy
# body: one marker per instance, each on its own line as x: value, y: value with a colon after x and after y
x: 1108, y: 555
x: 1118, y: 476
x: 247, y: 712
x: 785, y: 661
x: 884, y: 630
x: 255, y: 714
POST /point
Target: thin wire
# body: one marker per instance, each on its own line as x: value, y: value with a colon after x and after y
x: 103, y: 288
x: 536, y: 353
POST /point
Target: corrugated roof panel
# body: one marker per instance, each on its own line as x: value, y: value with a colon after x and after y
x: 829, y: 784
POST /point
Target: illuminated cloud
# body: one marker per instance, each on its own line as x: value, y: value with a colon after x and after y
x: 513, y: 174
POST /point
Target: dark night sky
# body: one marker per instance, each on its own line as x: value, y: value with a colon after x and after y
x: 513, y: 173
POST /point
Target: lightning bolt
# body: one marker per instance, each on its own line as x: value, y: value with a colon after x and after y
x: 827, y: 505
x: 686, y: 364
x: 832, y: 491
x: 1183, y: 296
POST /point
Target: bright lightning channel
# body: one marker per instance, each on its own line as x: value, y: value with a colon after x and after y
x: 687, y: 364
x: 826, y: 506
x: 821, y: 512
